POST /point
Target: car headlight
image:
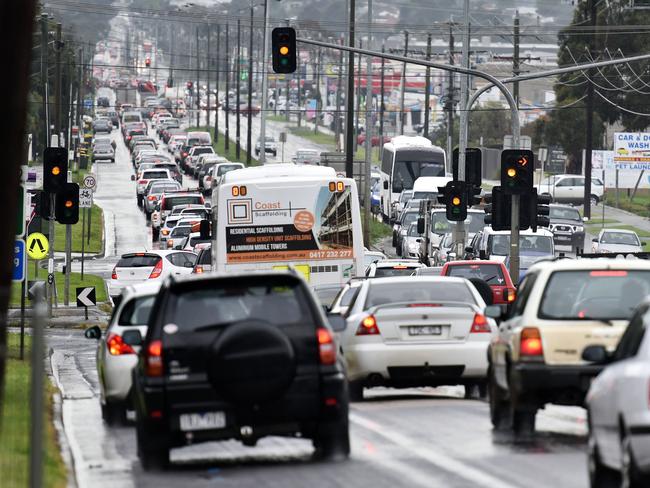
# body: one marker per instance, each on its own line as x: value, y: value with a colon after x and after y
x: 578, y: 228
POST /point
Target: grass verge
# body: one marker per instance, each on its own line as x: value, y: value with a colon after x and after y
x: 220, y: 146
x: 96, y: 233
x: 15, y: 424
x: 378, y: 230
x: 640, y: 205
x: 59, y: 278
x: 317, y: 138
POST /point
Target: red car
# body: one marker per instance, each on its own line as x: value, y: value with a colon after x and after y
x: 374, y: 140
x: 494, y: 273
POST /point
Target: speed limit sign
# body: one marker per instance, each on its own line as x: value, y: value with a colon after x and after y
x: 90, y: 182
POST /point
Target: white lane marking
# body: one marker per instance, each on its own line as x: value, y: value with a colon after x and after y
x: 434, y: 456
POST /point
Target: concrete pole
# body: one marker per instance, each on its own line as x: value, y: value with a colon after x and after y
x: 265, y: 50
x: 349, y: 97
x: 366, y: 186
x: 402, y: 117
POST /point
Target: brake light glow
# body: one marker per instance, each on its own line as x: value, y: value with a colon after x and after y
x: 326, y: 347
x: 164, y: 232
x: 151, y: 198
x: 117, y: 346
x: 368, y: 326
x: 609, y: 273
x: 400, y: 266
x: 142, y: 182
x: 531, y: 343
x: 198, y: 269
x: 511, y: 294
x: 153, y: 359
x: 480, y: 325
x: 157, y: 270
x: 414, y: 305
x: 114, y: 274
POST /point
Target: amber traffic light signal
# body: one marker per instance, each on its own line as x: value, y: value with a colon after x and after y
x: 517, y: 168
x: 66, y: 206
x: 55, y: 168
x: 283, y: 48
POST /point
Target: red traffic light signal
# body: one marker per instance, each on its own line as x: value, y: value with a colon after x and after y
x: 147, y: 62
x: 283, y: 48
x: 55, y: 168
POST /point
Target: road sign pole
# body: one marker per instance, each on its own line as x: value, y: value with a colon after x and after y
x: 50, y: 290
x: 83, y: 242
x: 514, y: 239
x: 23, y: 291
x: 68, y: 263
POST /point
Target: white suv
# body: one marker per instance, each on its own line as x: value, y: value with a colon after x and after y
x: 571, y: 189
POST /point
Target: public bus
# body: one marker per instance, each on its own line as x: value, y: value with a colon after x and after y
x: 405, y: 159
x: 273, y: 216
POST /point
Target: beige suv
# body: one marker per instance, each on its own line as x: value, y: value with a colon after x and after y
x: 562, y: 307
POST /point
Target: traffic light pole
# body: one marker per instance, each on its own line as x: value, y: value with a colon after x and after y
x: 50, y: 264
x: 514, y: 238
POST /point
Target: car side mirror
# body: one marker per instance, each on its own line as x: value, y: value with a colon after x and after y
x: 420, y: 225
x: 337, y: 322
x: 595, y: 239
x: 93, y: 332
x: 595, y: 353
x: 496, y: 312
x: 419, y: 239
x: 132, y: 337
x: 132, y: 177
x: 178, y: 248
x: 482, y: 254
x: 385, y: 185
x: 469, y: 249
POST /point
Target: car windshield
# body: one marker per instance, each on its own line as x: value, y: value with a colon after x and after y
x: 181, y: 231
x: 425, y: 291
x: 499, y: 244
x: 565, y: 214
x: 171, y: 202
x: 157, y: 175
x: 278, y: 302
x: 326, y: 294
x: 424, y: 195
x: 163, y: 188
x: 408, y: 218
x: 138, y: 261
x: 473, y: 223
x: 594, y: 294
x: 394, y: 270
x: 490, y: 273
x: 623, y: 238
x: 225, y: 168
x: 137, y: 311
x: 413, y: 231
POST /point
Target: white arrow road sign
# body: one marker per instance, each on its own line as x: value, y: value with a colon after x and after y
x: 86, y: 297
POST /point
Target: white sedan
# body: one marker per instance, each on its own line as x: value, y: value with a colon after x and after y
x: 613, y: 241
x: 416, y: 331
x: 117, y: 350
x: 617, y: 402
x: 138, y: 267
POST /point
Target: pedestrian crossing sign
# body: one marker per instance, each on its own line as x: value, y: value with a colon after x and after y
x: 37, y: 246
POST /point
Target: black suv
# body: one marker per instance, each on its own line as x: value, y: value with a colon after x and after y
x: 567, y: 227
x: 239, y: 357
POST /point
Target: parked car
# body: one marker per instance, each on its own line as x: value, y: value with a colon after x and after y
x: 613, y: 241
x: 571, y: 189
x: 118, y: 346
x: 258, y: 358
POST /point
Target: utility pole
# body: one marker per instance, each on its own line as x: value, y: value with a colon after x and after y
x: 427, y: 88
x: 450, y: 97
x: 402, y: 115
x: 226, y: 141
x: 286, y: 107
x: 218, y: 66
x: 198, y: 87
x: 366, y: 186
x: 349, y: 98
x: 515, y: 59
x: 249, y: 128
x: 237, y: 84
x: 207, y: 76
x: 44, y: 79
x: 265, y: 50
x: 382, y: 108
x: 317, y: 93
x: 337, y: 112
x: 590, y: 116
x: 358, y: 109
x: 299, y: 91
x: 172, y: 48
x: 57, y: 81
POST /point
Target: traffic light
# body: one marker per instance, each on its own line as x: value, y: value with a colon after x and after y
x: 283, y: 47
x: 189, y: 85
x: 539, y: 210
x: 497, y: 209
x: 473, y: 161
x: 456, y: 201
x: 66, y: 206
x: 473, y: 195
x: 41, y: 201
x: 55, y: 168
x: 147, y: 61
x: 517, y: 168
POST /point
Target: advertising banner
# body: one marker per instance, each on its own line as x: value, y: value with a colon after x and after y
x: 632, y: 151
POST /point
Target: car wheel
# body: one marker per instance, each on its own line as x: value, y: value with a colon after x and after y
x: 394, y: 241
x: 499, y: 406
x: 355, y: 391
x: 600, y: 476
x: 332, y: 440
x: 153, y: 446
x: 631, y: 477
x: 140, y: 199
x: 523, y: 420
x: 114, y: 413
x: 155, y: 234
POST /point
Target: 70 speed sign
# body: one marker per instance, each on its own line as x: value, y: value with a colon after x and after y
x: 90, y: 181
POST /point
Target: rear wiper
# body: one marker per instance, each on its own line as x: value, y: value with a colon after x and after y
x: 604, y: 321
x: 218, y: 325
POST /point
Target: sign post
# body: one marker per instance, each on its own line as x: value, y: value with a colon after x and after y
x: 85, y: 203
x: 86, y: 298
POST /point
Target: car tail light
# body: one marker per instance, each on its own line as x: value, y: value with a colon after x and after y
x: 164, y: 232
x: 157, y: 270
x: 151, y: 198
x: 153, y: 359
x: 326, y: 347
x: 368, y: 326
x: 117, y: 346
x: 480, y: 325
x: 184, y: 154
x: 510, y: 294
x: 531, y: 343
x: 170, y: 243
x: 114, y: 274
x: 142, y: 182
x: 198, y: 269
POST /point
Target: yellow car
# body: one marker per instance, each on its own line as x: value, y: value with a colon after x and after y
x: 562, y: 307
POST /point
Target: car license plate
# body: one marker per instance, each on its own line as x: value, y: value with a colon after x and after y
x: 203, y: 421
x: 563, y: 238
x: 420, y: 330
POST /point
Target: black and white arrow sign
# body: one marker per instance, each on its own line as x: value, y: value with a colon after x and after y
x: 86, y: 297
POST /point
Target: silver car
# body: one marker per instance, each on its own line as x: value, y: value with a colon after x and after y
x: 118, y: 347
x: 104, y: 152
x: 411, y: 242
x: 155, y: 189
x: 613, y: 241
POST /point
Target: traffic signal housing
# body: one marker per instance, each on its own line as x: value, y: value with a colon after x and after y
x: 473, y: 162
x: 498, y: 209
x: 517, y: 168
x: 283, y: 48
x: 539, y: 210
x: 55, y: 169
x: 455, y: 199
x: 66, y: 208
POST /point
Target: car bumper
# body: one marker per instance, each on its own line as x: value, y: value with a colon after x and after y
x: 575, y: 240
x: 566, y: 385
x: 117, y: 376
x: 365, y: 360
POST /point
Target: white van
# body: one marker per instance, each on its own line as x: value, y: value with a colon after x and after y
x: 533, y: 246
x: 426, y: 187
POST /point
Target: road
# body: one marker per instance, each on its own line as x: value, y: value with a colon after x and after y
x: 416, y: 437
